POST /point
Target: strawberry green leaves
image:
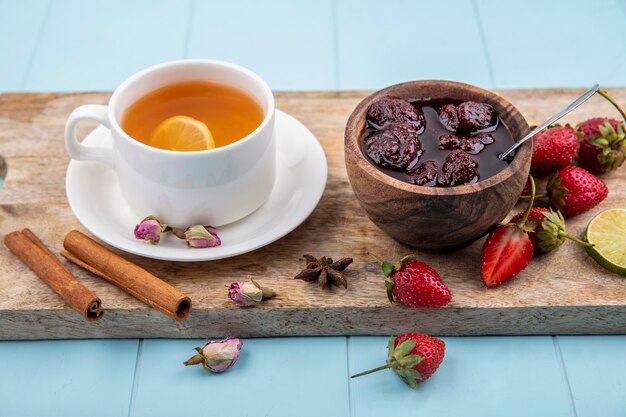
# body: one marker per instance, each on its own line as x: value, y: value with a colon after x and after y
x: 414, y: 357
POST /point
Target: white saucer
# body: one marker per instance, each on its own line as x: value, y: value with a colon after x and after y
x: 301, y: 170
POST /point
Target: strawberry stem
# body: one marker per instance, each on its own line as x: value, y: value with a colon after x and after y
x: 407, y: 258
x: 575, y: 239
x: 371, y: 371
x: 522, y: 221
x: 538, y: 196
x: 604, y: 94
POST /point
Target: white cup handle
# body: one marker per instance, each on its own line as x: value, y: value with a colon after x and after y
x: 77, y: 150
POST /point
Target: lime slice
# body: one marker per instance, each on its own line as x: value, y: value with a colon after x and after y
x: 607, y: 231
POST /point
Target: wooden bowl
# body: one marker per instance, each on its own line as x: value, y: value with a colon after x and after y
x: 436, y: 218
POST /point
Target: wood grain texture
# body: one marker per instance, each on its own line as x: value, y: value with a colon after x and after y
x: 564, y: 292
x: 436, y: 218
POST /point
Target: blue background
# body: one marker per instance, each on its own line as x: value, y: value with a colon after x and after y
x: 323, y: 45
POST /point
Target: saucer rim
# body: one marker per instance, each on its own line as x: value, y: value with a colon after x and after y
x: 204, y: 254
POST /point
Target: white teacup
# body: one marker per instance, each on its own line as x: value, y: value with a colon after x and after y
x: 212, y: 187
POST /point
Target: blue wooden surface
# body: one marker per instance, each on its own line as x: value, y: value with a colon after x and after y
x: 21, y: 26
x: 540, y: 43
x: 284, y: 377
x: 482, y: 376
x: 64, y: 45
x: 378, y: 45
x: 596, y: 370
x: 66, y: 378
x: 96, y: 45
x: 290, y: 44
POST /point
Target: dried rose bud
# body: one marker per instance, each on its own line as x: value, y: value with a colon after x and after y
x: 248, y: 293
x: 218, y: 355
x: 199, y: 236
x: 150, y: 229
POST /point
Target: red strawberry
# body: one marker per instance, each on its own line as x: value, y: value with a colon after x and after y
x: 573, y: 191
x: 508, y: 249
x: 415, y: 284
x: 553, y: 148
x: 549, y: 229
x: 538, y: 214
x: 590, y: 128
x: 603, y: 146
x: 414, y: 357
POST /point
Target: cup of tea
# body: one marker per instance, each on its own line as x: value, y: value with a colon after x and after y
x: 193, y: 141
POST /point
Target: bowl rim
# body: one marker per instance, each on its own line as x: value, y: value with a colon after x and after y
x: 351, y: 143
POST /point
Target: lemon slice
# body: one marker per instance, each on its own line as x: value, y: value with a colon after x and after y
x: 182, y: 133
x: 607, y: 231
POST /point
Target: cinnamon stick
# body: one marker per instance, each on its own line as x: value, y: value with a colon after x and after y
x: 136, y: 281
x: 34, y: 253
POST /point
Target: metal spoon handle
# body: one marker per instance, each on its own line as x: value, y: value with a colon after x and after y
x: 580, y: 100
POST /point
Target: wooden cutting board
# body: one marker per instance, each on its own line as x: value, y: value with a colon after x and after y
x: 564, y: 292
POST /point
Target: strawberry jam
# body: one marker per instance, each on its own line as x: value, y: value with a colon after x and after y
x: 435, y: 143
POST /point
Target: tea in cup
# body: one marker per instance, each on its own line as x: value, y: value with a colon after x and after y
x: 177, y: 116
x: 193, y: 141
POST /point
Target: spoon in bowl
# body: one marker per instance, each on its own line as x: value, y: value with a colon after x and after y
x: 580, y: 100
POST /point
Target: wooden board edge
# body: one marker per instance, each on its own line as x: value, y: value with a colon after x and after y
x: 375, y: 321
